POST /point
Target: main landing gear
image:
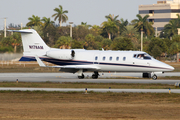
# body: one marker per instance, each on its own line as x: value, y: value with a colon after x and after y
x: 81, y: 75
x: 95, y: 75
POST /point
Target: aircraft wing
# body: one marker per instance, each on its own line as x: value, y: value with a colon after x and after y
x: 76, y: 67
x: 68, y: 66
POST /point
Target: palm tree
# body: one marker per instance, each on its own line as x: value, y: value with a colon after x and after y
x: 47, y: 22
x: 143, y: 25
x: 112, y: 18
x: 34, y: 21
x: 178, y: 20
x: 96, y: 29
x: 130, y: 32
x: 60, y: 15
x: 84, y: 24
x: 110, y: 27
x: 15, y: 41
x: 122, y: 25
x: 171, y: 28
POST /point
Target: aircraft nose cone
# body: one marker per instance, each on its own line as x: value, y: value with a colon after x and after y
x: 170, y: 67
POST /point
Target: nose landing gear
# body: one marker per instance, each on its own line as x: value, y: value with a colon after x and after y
x: 148, y: 75
x: 154, y: 77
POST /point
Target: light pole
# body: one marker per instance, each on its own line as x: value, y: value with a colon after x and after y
x: 71, y: 30
x: 156, y: 32
x: 4, y: 27
x: 141, y: 40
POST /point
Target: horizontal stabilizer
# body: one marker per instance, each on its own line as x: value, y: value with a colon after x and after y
x: 20, y: 31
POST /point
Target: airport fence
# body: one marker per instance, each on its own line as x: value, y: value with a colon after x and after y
x: 10, y: 56
x: 7, y: 59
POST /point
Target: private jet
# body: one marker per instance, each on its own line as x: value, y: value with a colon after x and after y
x: 81, y: 60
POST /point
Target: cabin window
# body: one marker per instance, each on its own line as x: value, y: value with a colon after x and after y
x: 117, y: 58
x: 110, y: 58
x: 104, y: 58
x: 135, y: 55
x: 96, y: 58
x: 124, y: 58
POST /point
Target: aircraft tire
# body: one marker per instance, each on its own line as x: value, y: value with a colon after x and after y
x: 94, y: 76
x: 154, y: 77
x: 81, y: 77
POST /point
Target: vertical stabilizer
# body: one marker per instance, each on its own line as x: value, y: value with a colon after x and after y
x: 32, y: 42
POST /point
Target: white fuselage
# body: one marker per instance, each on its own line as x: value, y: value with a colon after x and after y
x: 119, y: 61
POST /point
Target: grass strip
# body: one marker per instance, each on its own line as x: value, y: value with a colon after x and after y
x: 87, y: 85
x: 91, y: 97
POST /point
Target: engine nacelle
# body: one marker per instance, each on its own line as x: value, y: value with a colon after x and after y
x: 61, y: 54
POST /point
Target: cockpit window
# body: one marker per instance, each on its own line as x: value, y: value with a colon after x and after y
x: 144, y: 56
x: 147, y: 57
x: 141, y: 56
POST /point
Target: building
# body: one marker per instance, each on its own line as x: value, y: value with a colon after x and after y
x: 161, y: 13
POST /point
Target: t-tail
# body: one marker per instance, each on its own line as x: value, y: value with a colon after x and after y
x: 33, y: 45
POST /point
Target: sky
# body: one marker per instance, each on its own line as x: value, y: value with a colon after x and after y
x: 91, y: 11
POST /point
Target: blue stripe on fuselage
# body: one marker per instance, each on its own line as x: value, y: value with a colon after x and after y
x: 66, y: 62
x: 57, y: 61
x: 27, y: 59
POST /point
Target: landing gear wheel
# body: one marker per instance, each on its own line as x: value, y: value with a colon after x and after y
x: 154, y: 77
x: 81, y: 77
x: 95, y: 75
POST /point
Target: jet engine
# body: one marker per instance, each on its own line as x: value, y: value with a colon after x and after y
x: 61, y: 54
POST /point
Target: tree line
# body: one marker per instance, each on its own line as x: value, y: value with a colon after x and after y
x: 113, y: 34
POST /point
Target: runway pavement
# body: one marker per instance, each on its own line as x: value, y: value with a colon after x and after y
x: 94, y: 90
x: 69, y: 77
